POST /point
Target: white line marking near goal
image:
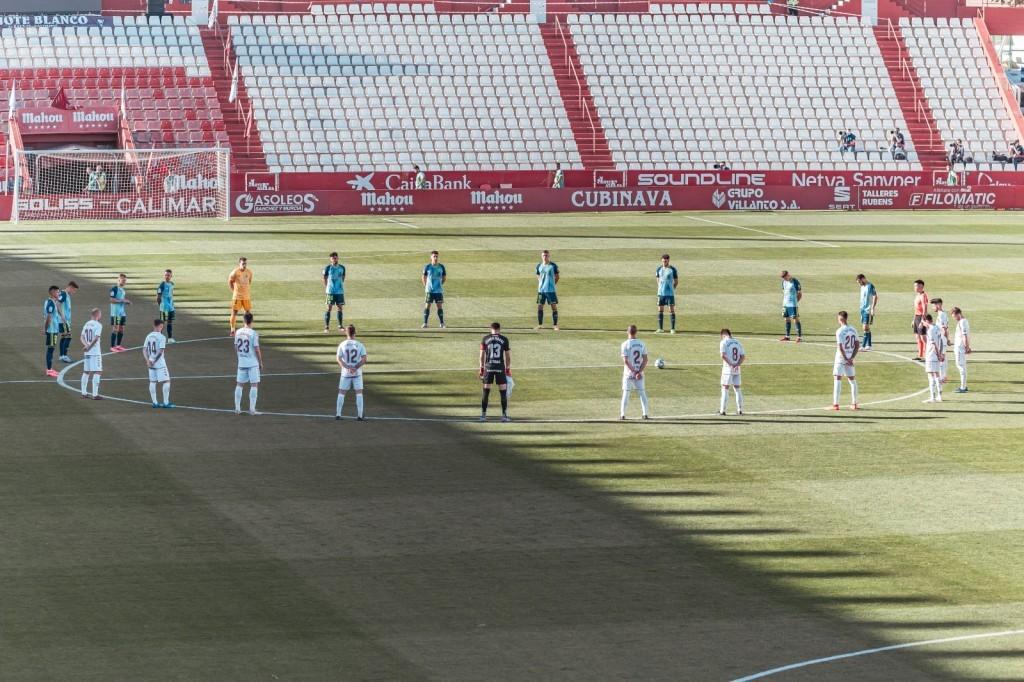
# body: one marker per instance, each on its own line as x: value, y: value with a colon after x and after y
x: 877, y: 650
x: 399, y: 222
x: 63, y: 384
x: 751, y: 229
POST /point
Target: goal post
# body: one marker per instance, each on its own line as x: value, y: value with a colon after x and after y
x: 120, y: 184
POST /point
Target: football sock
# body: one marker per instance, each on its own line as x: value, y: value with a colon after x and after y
x: 540, y: 315
x: 739, y: 397
x: 327, y: 319
x: 504, y: 400
x: 484, y: 399
x: 625, y: 402
x: 837, y: 389
x: 170, y: 330
x: 799, y: 329
x: 340, y: 404
x: 234, y: 316
x: 113, y: 339
x: 789, y: 326
x: 49, y: 358
x: 724, y: 401
x: 341, y: 317
x: 643, y: 402
x: 440, y: 315
x: 253, y: 392
x: 64, y: 343
x: 95, y: 385
x: 426, y: 314
x: 238, y: 398
x: 85, y: 383
x: 661, y: 320
x: 359, y: 404
x: 120, y: 337
x: 167, y: 392
x: 554, y: 317
x: 152, y: 392
x: 920, y: 347
x: 867, y: 338
x: 963, y: 376
x: 673, y: 316
x: 853, y: 391
x: 932, y: 390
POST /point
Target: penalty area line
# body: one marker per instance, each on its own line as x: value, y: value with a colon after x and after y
x: 773, y: 234
x: 877, y: 650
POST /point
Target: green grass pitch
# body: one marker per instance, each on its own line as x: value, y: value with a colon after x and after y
x: 140, y: 544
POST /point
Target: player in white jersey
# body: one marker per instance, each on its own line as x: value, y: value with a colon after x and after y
x: 250, y: 364
x: 942, y: 322
x: 962, y: 345
x: 634, y: 362
x: 934, y: 354
x: 154, y: 351
x: 847, y: 346
x: 351, y: 359
x: 92, y: 355
x: 733, y: 356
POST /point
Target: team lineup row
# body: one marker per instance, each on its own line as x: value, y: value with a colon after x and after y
x: 495, y: 358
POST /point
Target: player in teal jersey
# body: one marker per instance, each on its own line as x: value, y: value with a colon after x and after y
x: 334, y: 285
x: 118, y: 316
x: 434, y: 277
x: 547, y: 278
x: 668, y: 280
x: 51, y: 326
x: 791, y: 295
x: 65, y: 324
x: 868, y: 302
x: 165, y: 302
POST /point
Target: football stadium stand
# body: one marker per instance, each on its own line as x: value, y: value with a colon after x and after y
x: 678, y: 90
x: 959, y: 84
x: 159, y: 62
x: 348, y: 88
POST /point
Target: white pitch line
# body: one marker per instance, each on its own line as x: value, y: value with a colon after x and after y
x: 399, y: 222
x: 773, y: 234
x: 63, y: 384
x: 878, y: 650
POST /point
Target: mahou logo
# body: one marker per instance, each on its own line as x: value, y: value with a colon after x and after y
x: 178, y: 183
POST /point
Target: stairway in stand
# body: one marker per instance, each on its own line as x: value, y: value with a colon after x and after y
x: 246, y: 154
x: 579, y: 104
x: 924, y: 131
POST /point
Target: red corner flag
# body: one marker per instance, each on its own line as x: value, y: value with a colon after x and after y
x: 60, y: 99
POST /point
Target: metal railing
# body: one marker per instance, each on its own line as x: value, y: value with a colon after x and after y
x: 580, y: 97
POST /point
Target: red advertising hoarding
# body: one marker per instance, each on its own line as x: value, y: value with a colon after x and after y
x: 53, y: 121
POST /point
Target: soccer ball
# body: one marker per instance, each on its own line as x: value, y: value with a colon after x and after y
x: 659, y: 363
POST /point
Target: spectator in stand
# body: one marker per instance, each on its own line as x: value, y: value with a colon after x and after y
x: 956, y: 152
x: 897, y: 145
x: 793, y: 7
x: 1015, y: 154
x: 722, y: 166
x: 420, y: 179
x: 101, y: 178
x: 847, y: 142
x: 558, y: 182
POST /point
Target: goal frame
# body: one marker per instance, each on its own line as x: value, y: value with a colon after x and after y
x: 20, y: 172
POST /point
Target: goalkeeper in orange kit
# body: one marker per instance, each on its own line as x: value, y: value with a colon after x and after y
x: 240, y: 283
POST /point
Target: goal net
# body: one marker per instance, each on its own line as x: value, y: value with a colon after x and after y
x: 120, y: 184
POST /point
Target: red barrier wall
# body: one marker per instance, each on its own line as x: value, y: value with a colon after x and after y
x: 447, y: 180
x: 539, y: 200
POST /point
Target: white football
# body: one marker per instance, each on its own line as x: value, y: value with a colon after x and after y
x: 659, y: 363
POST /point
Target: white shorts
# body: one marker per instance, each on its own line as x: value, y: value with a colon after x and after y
x: 730, y: 378
x: 630, y: 384
x: 351, y: 383
x: 841, y: 369
x: 92, y: 363
x: 159, y: 374
x: 932, y: 366
x: 961, y: 357
x: 248, y: 375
